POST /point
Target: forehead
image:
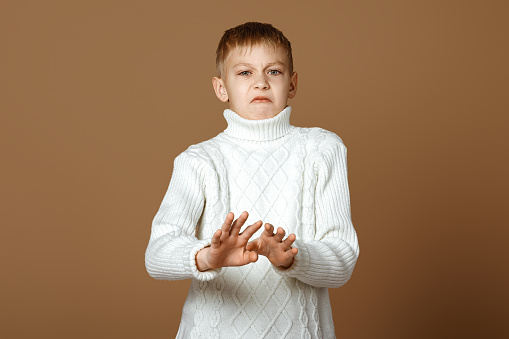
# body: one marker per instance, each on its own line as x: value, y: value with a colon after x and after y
x: 256, y: 54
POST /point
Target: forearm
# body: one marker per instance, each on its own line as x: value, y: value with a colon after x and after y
x: 172, y: 248
x: 328, y: 263
x: 174, y: 258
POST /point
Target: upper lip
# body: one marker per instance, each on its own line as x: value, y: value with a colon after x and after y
x: 260, y: 98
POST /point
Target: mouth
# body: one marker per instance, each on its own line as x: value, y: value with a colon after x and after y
x: 260, y: 99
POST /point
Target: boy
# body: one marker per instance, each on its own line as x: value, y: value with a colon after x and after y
x: 252, y: 282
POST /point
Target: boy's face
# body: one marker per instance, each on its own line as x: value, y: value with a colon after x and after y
x: 256, y: 82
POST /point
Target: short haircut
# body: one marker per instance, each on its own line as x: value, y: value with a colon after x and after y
x: 248, y: 35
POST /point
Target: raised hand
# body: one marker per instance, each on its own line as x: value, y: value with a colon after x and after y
x: 278, y: 251
x: 228, y: 245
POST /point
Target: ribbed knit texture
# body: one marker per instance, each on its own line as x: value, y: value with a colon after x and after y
x: 291, y: 177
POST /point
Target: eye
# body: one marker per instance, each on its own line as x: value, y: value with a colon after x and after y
x: 244, y: 73
x: 274, y: 72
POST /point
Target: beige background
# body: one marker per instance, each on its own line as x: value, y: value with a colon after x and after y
x: 98, y: 97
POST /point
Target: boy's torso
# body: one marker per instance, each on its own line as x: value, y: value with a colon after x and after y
x: 274, y: 181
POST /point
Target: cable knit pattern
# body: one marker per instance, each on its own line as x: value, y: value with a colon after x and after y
x: 291, y: 177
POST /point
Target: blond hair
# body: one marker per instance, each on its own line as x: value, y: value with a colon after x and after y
x: 251, y: 34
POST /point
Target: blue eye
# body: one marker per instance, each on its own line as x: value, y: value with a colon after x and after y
x: 274, y: 72
x: 244, y: 73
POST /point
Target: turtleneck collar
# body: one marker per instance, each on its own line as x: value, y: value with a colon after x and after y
x: 258, y: 130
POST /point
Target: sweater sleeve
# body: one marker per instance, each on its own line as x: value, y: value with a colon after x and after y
x: 173, y: 246
x: 329, y: 259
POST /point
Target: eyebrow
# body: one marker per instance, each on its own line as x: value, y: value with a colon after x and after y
x: 279, y: 63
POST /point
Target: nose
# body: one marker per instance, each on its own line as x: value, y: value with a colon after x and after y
x: 261, y: 82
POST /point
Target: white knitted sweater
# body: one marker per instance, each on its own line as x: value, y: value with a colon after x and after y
x: 291, y: 177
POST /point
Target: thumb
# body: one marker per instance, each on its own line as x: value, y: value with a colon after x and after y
x: 252, y: 245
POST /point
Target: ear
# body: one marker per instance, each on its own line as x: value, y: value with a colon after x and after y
x: 220, y: 89
x: 293, y: 85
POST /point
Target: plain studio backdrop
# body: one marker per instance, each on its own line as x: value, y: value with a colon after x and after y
x: 98, y: 97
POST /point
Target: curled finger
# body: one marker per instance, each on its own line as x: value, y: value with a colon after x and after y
x: 289, y: 240
x: 269, y: 230
x: 251, y: 246
x: 279, y: 234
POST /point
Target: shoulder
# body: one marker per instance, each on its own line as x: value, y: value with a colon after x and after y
x: 326, y: 148
x: 321, y: 139
x: 199, y: 154
x: 328, y: 137
x: 319, y: 135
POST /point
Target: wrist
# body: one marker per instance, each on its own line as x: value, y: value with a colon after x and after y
x: 287, y: 266
x: 201, y: 260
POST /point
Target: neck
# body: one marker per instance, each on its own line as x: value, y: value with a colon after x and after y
x: 258, y: 130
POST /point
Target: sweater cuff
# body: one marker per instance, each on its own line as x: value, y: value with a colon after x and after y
x: 300, y: 262
x: 206, y: 275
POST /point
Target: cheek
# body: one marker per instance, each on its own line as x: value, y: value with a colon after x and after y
x: 282, y: 91
x: 242, y: 88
